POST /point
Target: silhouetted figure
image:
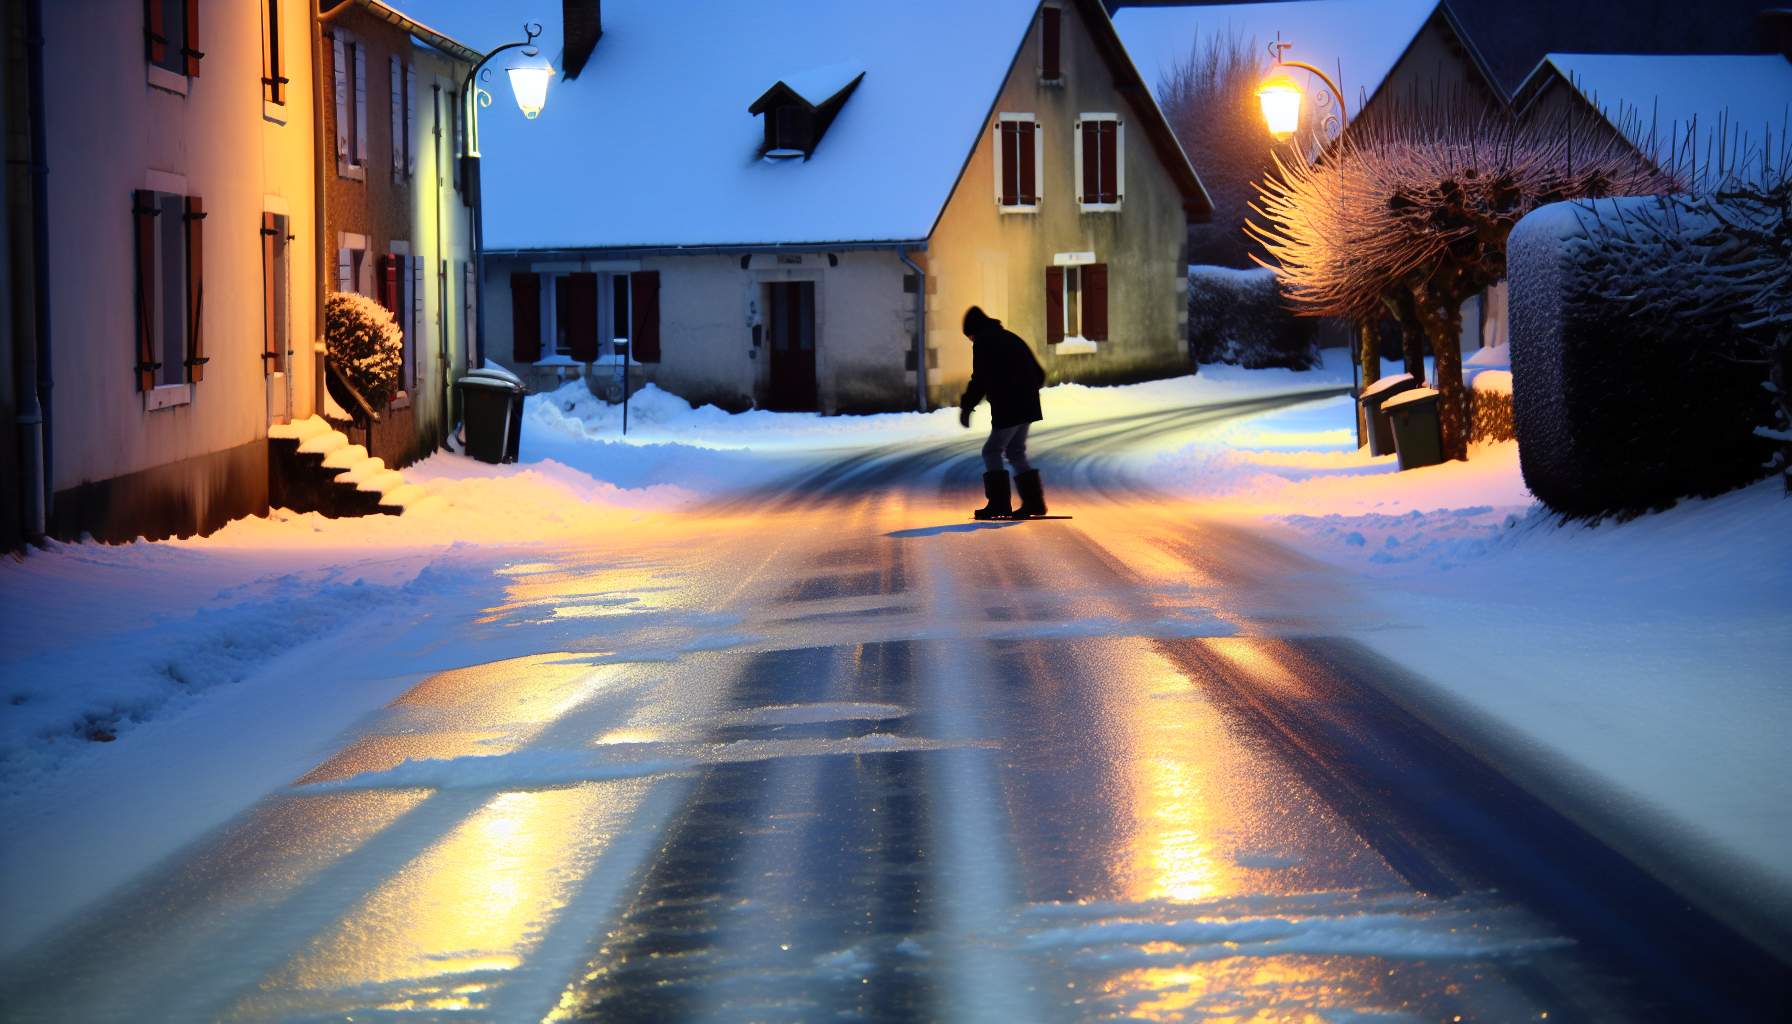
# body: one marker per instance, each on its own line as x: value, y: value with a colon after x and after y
x: 1004, y: 370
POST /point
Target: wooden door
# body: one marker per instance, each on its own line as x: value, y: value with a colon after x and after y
x: 792, y: 320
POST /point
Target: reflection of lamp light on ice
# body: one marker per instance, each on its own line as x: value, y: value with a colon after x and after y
x: 530, y: 84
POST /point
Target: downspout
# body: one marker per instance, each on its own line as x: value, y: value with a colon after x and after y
x: 34, y: 410
x: 920, y: 327
x: 442, y: 358
x: 322, y: 269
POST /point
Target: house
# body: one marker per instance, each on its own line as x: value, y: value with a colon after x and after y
x: 1387, y: 57
x: 789, y: 205
x: 398, y: 211
x: 1673, y: 109
x: 172, y: 292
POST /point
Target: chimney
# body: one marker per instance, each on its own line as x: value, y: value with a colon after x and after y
x: 582, y: 23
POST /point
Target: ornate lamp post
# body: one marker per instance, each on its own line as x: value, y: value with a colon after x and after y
x: 529, y: 83
x: 1280, y: 95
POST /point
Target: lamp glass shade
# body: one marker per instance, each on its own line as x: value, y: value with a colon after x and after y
x: 1280, y: 98
x: 530, y: 84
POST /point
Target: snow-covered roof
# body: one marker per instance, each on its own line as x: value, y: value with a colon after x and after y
x: 1361, y: 40
x: 1747, y: 93
x: 653, y: 145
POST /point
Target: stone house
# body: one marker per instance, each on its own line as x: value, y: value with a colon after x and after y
x: 802, y: 224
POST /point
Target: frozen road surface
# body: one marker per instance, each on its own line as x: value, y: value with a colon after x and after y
x: 835, y: 753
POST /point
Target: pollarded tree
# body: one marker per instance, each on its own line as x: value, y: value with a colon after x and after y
x: 1410, y: 214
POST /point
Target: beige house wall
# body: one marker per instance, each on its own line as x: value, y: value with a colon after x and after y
x: 441, y: 238
x: 979, y: 255
x: 709, y: 306
x: 109, y: 131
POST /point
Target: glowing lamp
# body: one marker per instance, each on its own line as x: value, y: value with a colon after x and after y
x: 1280, y: 98
x: 530, y: 84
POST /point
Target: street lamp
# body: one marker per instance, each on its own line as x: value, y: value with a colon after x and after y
x: 529, y: 82
x: 1280, y: 95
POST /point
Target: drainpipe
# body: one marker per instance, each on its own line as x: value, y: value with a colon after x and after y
x: 318, y: 177
x: 443, y: 362
x: 920, y: 327
x: 35, y: 376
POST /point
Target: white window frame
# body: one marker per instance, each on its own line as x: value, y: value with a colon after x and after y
x: 1073, y: 343
x: 1038, y: 163
x: 1119, y: 161
x: 348, y: 279
x: 351, y: 150
x: 166, y: 395
x: 606, y: 318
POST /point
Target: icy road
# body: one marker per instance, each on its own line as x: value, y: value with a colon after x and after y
x: 832, y: 752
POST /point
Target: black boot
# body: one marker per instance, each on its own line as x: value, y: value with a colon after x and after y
x: 995, y: 488
x: 1032, y: 494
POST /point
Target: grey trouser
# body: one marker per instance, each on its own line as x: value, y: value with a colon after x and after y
x: 1010, y: 441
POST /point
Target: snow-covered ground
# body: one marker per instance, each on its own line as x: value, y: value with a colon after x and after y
x: 151, y: 691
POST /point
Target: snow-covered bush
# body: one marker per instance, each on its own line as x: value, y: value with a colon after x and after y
x: 365, y: 345
x: 1239, y: 316
x: 1629, y: 389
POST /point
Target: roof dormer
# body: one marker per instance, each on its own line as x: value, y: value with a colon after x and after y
x: 799, y: 108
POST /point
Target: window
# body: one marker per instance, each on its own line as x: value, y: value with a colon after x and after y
x: 170, y: 289
x: 276, y: 316
x: 1051, y: 67
x: 350, y: 70
x: 397, y: 292
x: 354, y: 272
x: 620, y: 297
x: 273, y: 68
x: 171, y: 36
x: 1100, y: 161
x: 404, y: 112
x: 1076, y: 302
x: 791, y: 128
x: 1019, y: 150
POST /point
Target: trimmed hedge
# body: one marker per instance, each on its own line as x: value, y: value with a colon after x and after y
x: 1616, y: 413
x: 1238, y: 316
x: 1490, y: 407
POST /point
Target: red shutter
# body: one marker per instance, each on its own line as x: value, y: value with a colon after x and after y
x: 1095, y: 301
x: 191, y: 50
x: 388, y: 286
x: 1028, y: 178
x: 644, y: 298
x: 143, y: 211
x: 525, y: 317
x: 195, y: 289
x: 1054, y: 305
x: 272, y: 358
x: 1049, y: 66
x: 155, y: 34
x: 1091, y: 162
x: 1005, y: 137
x: 580, y: 293
x: 1110, y: 176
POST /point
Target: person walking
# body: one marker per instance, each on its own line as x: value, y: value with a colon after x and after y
x: 1004, y: 370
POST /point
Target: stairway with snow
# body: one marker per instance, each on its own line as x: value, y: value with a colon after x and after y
x: 312, y: 467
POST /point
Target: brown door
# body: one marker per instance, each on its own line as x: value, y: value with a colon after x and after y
x: 792, y: 308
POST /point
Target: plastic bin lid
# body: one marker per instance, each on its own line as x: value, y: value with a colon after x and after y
x: 494, y: 370
x: 1398, y: 380
x: 1413, y: 397
x: 493, y: 382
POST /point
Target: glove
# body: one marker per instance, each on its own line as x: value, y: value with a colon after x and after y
x: 964, y: 417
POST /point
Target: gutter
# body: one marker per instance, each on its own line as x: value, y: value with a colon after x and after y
x: 726, y: 249
x: 920, y: 327
x: 36, y: 379
x: 318, y: 177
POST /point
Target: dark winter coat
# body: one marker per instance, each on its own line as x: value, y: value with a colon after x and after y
x: 1003, y: 370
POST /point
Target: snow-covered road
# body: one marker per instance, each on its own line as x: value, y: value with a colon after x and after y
x: 827, y: 750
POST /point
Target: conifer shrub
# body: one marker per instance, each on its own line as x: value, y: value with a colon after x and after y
x: 1239, y: 317
x: 364, y: 344
x: 1629, y: 386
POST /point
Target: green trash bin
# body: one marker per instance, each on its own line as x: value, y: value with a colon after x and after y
x: 1375, y: 420
x: 1418, y: 434
x: 489, y: 408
